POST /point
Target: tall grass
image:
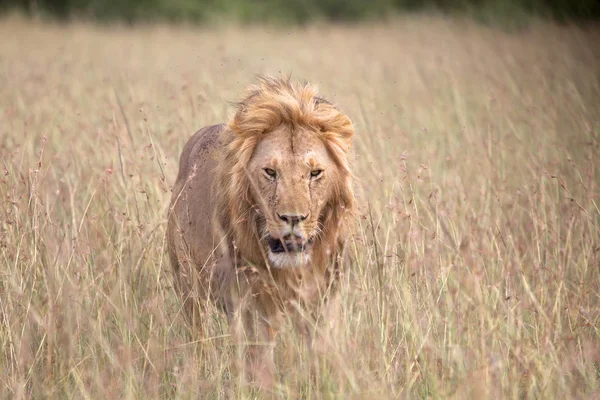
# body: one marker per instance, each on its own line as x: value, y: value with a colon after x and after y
x: 477, y: 270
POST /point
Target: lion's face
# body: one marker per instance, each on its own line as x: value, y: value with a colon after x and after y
x: 291, y: 183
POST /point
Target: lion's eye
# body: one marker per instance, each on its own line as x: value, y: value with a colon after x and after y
x: 271, y: 172
x: 316, y: 173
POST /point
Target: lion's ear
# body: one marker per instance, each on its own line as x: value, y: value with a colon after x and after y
x: 320, y: 100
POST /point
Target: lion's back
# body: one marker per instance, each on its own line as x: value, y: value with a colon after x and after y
x: 190, y: 226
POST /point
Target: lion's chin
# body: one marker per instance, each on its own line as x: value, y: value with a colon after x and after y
x: 289, y: 260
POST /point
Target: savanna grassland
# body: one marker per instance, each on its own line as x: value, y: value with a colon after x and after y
x: 477, y: 270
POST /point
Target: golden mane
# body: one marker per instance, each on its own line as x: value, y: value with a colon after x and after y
x: 256, y: 298
x: 265, y: 106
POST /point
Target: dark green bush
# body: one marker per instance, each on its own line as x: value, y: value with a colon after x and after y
x: 300, y: 11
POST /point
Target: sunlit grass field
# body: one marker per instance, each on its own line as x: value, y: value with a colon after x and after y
x: 477, y: 253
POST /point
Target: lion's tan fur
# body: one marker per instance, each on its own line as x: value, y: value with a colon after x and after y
x: 236, y: 268
x: 266, y: 106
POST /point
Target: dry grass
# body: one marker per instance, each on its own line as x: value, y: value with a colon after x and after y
x: 479, y: 154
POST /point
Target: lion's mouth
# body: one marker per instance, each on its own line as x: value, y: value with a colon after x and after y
x: 289, y: 244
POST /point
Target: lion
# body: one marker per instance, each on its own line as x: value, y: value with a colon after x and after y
x: 261, y: 212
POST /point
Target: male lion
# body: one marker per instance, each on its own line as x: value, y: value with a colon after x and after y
x: 260, y: 213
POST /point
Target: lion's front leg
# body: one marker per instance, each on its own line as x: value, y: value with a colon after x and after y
x: 259, y: 346
x: 318, y: 327
x: 255, y: 323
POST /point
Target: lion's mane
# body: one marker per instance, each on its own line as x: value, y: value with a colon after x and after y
x: 272, y: 102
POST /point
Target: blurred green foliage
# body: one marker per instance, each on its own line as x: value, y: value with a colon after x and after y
x: 299, y: 11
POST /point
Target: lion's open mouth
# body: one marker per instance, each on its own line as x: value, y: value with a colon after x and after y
x: 289, y: 244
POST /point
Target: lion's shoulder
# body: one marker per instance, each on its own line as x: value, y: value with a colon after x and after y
x: 200, y: 145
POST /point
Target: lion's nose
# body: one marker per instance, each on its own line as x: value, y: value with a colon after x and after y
x: 292, y: 219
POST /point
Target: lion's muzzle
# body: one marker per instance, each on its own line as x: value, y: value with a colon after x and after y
x: 289, y: 244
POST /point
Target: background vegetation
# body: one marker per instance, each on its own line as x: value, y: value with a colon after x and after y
x: 301, y: 10
x: 478, y: 246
